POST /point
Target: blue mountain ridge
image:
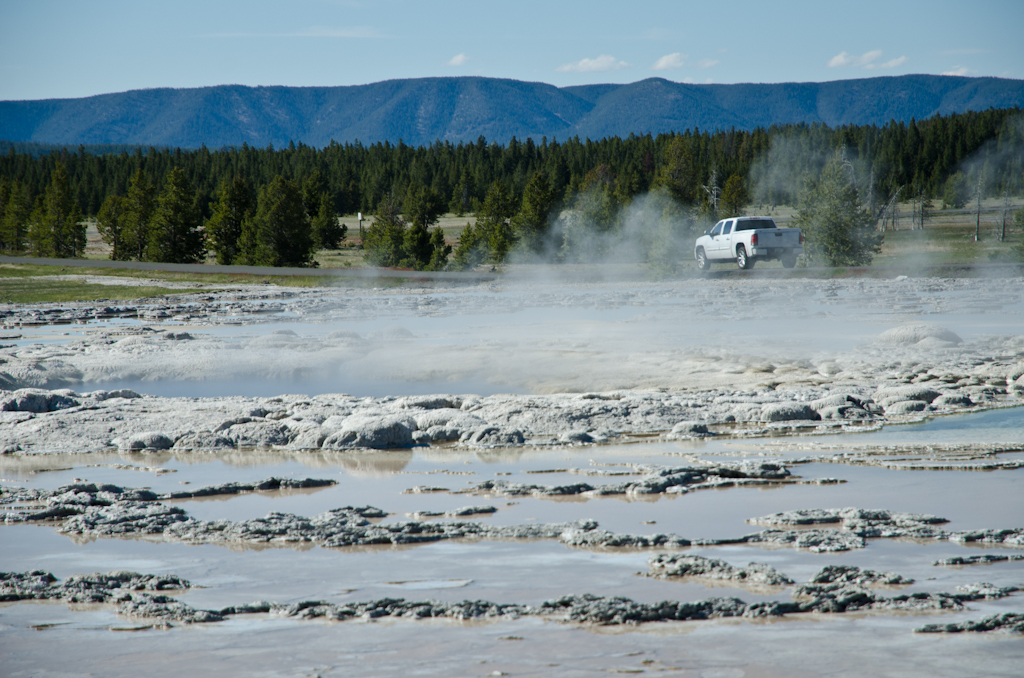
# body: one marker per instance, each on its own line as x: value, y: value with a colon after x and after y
x: 423, y: 110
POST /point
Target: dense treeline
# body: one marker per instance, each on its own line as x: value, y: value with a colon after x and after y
x: 513, y: 188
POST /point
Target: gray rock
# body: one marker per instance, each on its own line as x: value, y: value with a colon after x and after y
x: 203, y: 440
x: 986, y: 559
x: 150, y: 440
x: 1011, y: 622
x: 909, y: 335
x: 953, y: 400
x: 266, y: 485
x: 900, y: 393
x: 255, y: 433
x: 376, y: 432
x: 689, y: 429
x: 905, y: 407
x: 37, y: 401
x: 680, y: 565
x: 788, y: 412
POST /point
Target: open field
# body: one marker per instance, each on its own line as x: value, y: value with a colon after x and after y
x: 946, y: 240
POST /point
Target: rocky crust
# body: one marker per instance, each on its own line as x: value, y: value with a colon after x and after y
x: 133, y: 593
x: 986, y: 559
x: 1010, y: 622
x: 129, y: 591
x: 109, y: 510
x: 654, y: 480
x: 667, y: 566
x: 860, y: 524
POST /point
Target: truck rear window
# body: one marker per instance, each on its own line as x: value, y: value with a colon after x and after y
x: 753, y: 224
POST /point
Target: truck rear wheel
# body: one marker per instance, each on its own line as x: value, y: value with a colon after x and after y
x: 703, y: 265
x: 789, y: 261
x: 742, y: 260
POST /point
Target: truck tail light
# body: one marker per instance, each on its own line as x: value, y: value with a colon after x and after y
x: 753, y: 239
x: 801, y: 237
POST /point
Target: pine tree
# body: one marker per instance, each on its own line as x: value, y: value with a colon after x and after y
x: 384, y: 240
x: 424, y: 206
x: 439, y: 251
x: 734, y: 197
x: 138, y: 212
x: 110, y: 222
x: 224, y: 228
x: 678, y: 173
x: 16, y: 213
x: 327, y: 232
x: 176, y: 234
x: 493, y: 224
x: 279, y: 233
x: 531, y: 224
x: 54, y: 230
x: 837, y: 230
x: 471, y: 250
x: 955, y: 192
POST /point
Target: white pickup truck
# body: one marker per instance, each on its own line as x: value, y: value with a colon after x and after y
x: 746, y: 240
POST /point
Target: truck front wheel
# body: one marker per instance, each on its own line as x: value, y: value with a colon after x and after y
x: 742, y: 260
x: 703, y: 265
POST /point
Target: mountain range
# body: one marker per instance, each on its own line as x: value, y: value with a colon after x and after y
x: 423, y: 110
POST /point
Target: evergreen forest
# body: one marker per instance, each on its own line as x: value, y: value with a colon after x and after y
x: 276, y: 206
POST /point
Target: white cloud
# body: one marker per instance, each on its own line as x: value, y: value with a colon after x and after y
x: 846, y: 59
x: 867, y: 60
x: 674, y: 60
x: 605, y: 62
x: 957, y: 70
x: 458, y: 60
x: 707, y: 63
x: 891, y: 63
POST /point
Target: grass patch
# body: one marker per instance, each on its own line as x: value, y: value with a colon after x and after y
x: 220, y: 279
x: 25, y: 290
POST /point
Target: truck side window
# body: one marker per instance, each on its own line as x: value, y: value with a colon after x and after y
x: 727, y: 229
x: 717, y: 230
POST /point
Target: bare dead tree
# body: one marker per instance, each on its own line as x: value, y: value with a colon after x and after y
x: 977, y: 223
x: 713, y: 191
x: 890, y: 211
x: 1006, y: 207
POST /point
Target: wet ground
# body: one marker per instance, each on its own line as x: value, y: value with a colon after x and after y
x: 522, y: 572
x: 582, y: 337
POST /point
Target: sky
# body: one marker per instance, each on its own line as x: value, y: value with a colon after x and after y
x: 78, y: 48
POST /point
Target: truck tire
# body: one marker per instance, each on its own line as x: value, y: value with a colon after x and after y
x: 703, y: 265
x: 742, y: 260
x: 788, y: 261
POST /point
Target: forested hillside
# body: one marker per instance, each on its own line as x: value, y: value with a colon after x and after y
x: 422, y: 111
x: 515, y: 189
x: 920, y: 156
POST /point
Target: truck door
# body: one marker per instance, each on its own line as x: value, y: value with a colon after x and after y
x: 725, y: 240
x: 715, y: 245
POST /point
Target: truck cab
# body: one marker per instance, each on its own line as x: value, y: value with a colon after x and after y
x: 746, y: 240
